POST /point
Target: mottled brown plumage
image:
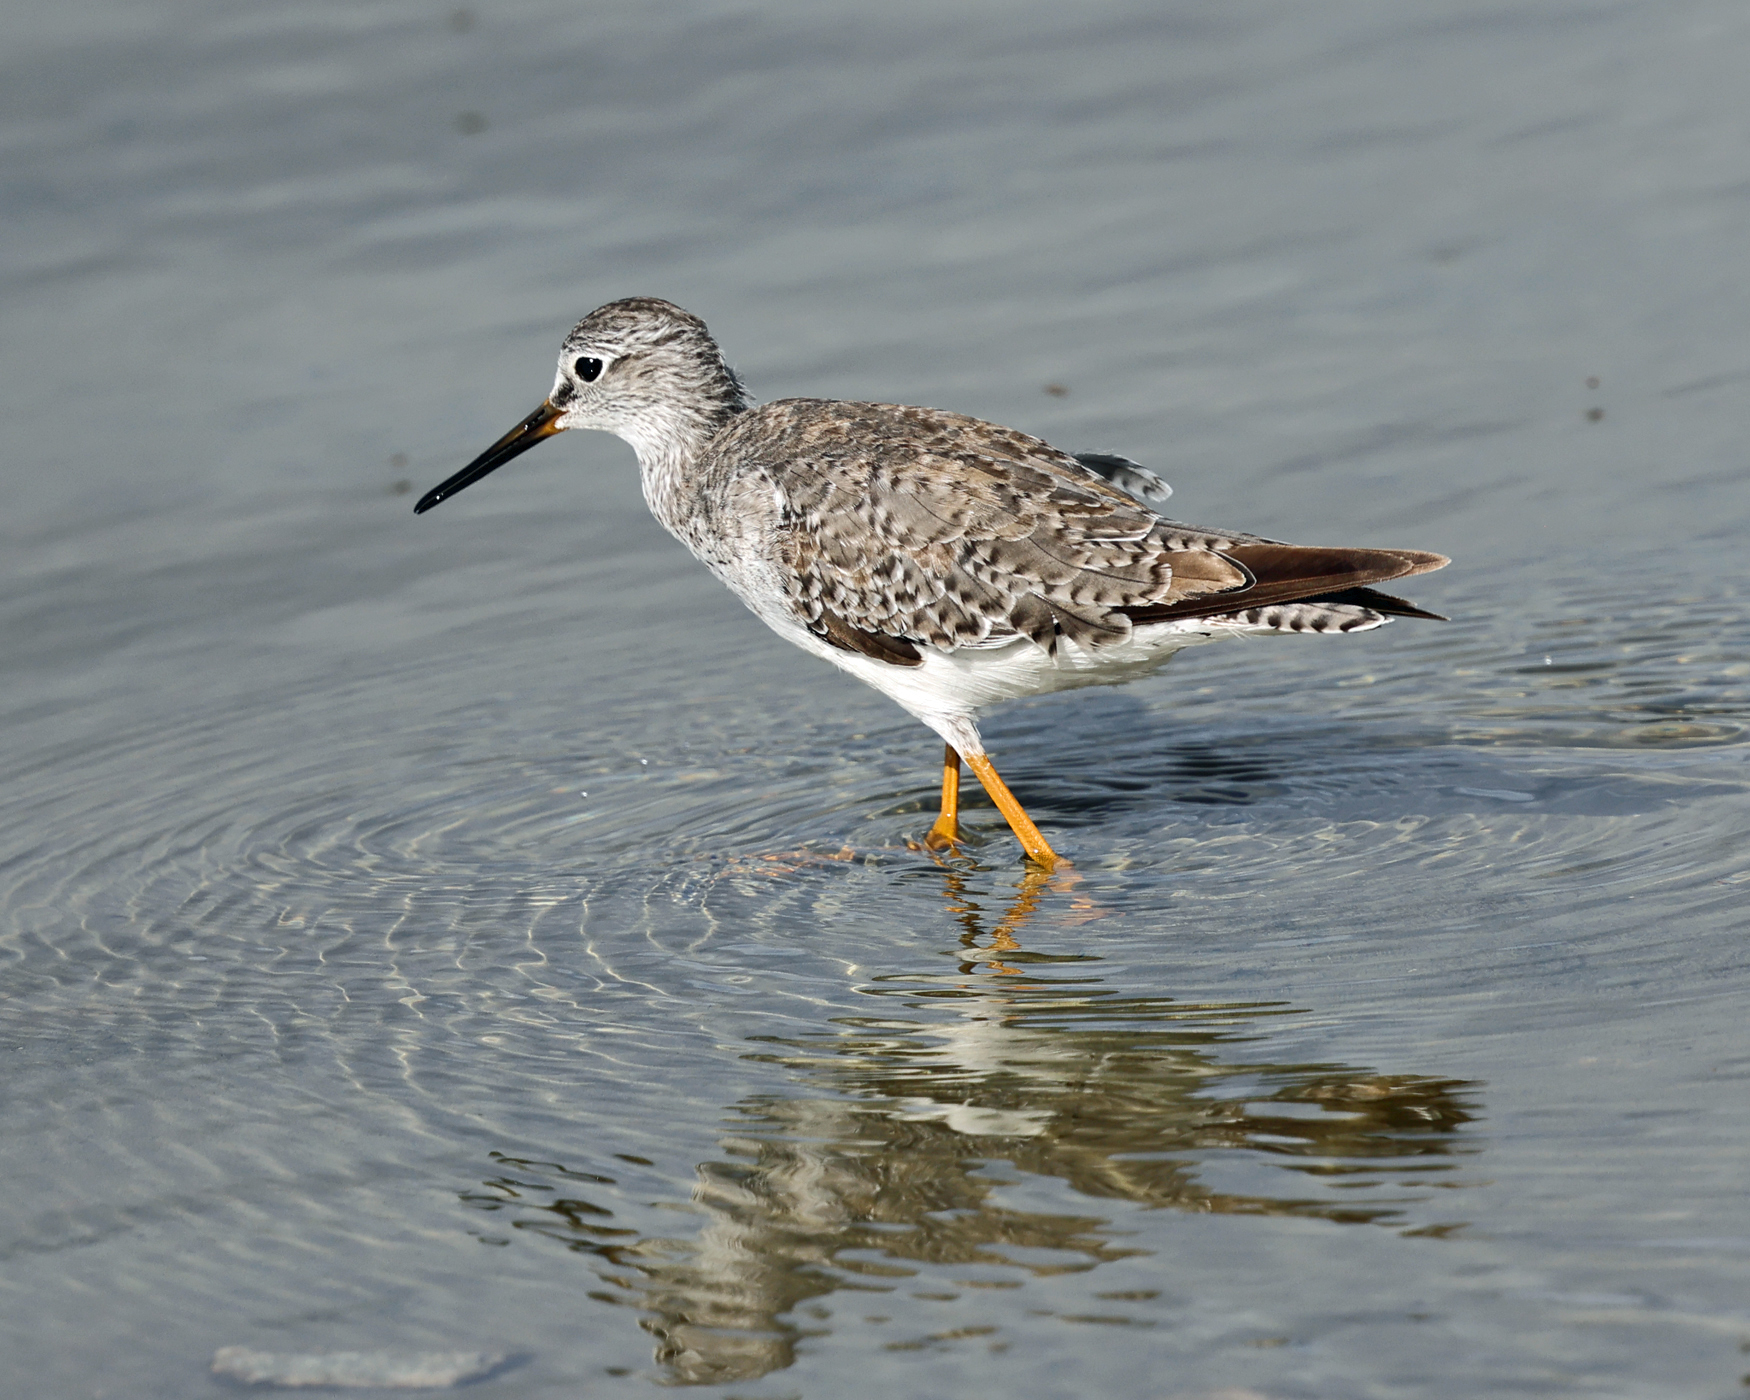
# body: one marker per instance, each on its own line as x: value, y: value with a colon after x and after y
x: 949, y: 562
x: 906, y: 527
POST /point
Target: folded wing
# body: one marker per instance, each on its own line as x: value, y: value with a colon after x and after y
x: 905, y: 528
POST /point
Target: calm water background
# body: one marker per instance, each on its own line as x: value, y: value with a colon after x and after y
x: 432, y: 933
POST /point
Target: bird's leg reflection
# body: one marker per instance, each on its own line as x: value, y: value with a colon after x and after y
x: 1001, y: 937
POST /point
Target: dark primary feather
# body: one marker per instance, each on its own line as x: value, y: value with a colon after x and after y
x: 1289, y: 573
x: 1382, y: 603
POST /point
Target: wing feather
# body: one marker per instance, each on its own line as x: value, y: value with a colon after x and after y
x: 903, y: 528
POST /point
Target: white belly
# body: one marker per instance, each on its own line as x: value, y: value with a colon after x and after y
x: 950, y: 689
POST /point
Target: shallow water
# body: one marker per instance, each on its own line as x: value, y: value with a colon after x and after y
x: 477, y: 934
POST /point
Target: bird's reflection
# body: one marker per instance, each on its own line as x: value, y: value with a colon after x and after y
x: 891, y: 1152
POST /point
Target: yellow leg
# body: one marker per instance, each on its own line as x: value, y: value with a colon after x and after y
x: 946, y: 831
x: 1022, y: 824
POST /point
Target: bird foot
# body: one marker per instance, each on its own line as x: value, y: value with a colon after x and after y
x: 942, y: 838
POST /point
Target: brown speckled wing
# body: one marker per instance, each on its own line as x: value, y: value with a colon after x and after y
x: 942, y: 530
x: 907, y: 527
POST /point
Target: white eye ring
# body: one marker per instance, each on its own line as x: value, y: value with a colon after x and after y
x: 588, y: 368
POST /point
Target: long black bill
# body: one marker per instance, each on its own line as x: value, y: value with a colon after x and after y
x: 542, y: 423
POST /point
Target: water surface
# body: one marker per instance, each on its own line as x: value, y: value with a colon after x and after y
x: 476, y: 932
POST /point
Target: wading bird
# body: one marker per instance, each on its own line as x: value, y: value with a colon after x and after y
x: 949, y: 562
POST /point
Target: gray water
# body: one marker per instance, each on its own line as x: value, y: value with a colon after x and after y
x: 477, y: 933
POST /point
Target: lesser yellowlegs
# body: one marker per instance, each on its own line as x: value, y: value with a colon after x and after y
x: 949, y: 562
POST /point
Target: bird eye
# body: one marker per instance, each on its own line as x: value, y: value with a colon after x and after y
x: 587, y: 369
